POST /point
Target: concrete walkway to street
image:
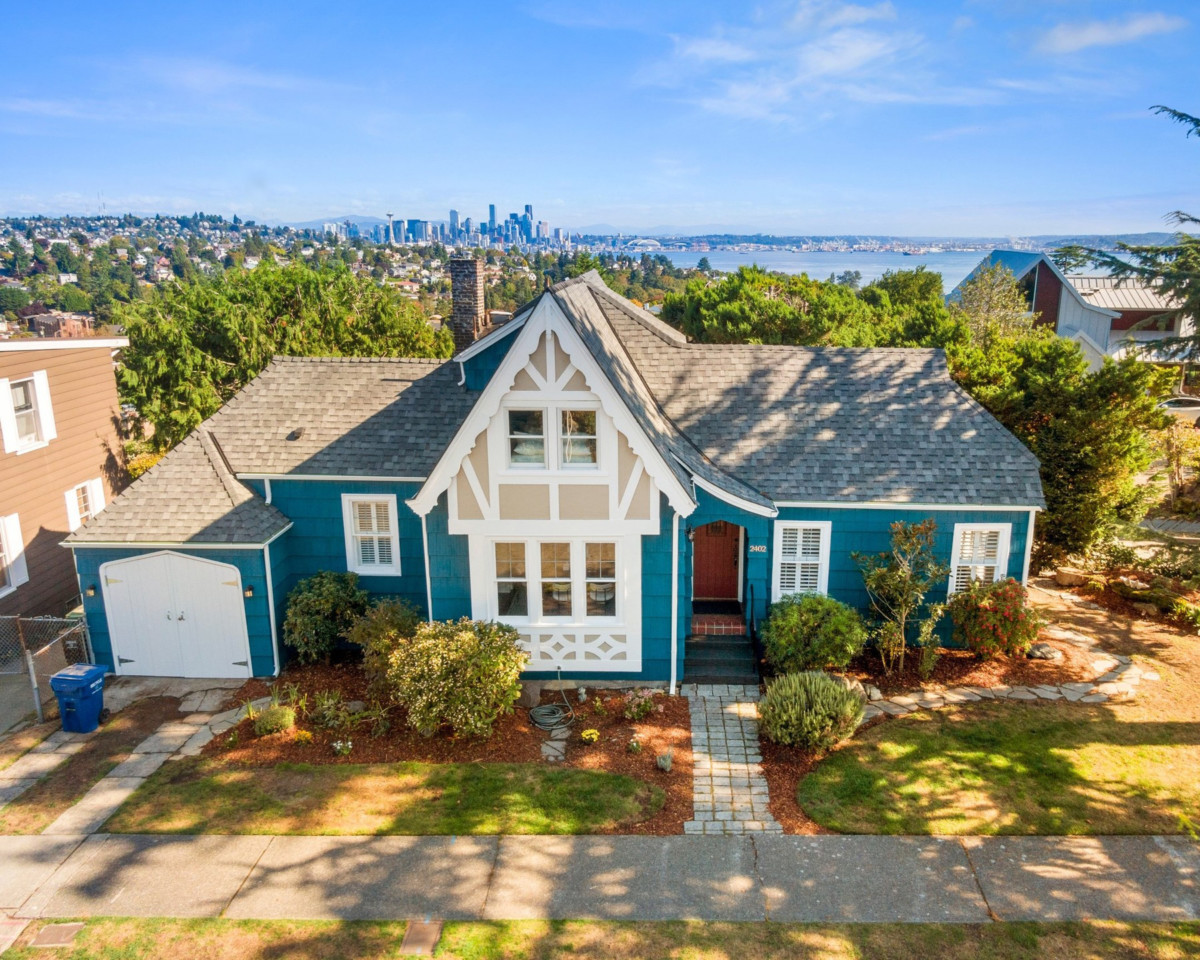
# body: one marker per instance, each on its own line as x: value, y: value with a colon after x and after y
x: 750, y: 877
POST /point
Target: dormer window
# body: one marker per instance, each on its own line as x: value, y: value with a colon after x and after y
x: 578, y: 438
x: 526, y: 438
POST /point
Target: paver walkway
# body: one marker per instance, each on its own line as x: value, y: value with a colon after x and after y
x: 752, y: 877
x: 729, y: 792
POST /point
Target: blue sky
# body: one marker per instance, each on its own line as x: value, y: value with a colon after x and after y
x: 922, y: 118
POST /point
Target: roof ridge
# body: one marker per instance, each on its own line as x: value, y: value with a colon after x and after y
x: 660, y: 328
x: 237, y: 492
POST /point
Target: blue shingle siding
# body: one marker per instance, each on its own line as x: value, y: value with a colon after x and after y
x: 864, y: 530
x: 449, y: 567
x: 249, y: 563
x: 317, y: 539
x: 478, y: 369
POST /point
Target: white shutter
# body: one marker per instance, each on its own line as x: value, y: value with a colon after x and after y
x: 45, y: 410
x: 73, y: 519
x: 980, y: 554
x: 8, y: 419
x: 96, y: 492
x: 801, y: 558
x: 14, y: 550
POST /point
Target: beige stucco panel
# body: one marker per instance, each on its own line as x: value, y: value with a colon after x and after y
x: 524, y: 501
x: 639, y: 507
x: 577, y: 384
x: 578, y: 501
x: 524, y: 382
x: 479, y: 462
x: 626, y: 461
x: 468, y: 506
x: 537, y: 359
x: 561, y: 359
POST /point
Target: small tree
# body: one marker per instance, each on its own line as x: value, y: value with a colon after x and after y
x: 1181, y: 447
x: 897, y: 582
x: 993, y: 306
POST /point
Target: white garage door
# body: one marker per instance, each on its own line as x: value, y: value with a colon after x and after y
x: 171, y: 615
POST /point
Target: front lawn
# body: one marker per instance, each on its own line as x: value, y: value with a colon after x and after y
x: 149, y: 939
x: 1010, y: 768
x: 412, y: 798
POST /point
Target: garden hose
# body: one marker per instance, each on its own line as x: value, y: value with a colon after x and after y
x: 550, y: 716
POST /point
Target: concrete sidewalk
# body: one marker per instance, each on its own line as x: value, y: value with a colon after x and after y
x: 828, y: 878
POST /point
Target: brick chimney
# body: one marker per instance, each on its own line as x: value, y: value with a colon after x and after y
x: 468, y: 318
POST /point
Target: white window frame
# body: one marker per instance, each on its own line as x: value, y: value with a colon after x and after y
x: 43, y: 411
x: 95, y: 494
x: 349, y: 500
x: 1003, y: 545
x: 509, y: 437
x: 826, y: 531
x: 553, y: 436
x: 12, y: 547
x: 579, y: 580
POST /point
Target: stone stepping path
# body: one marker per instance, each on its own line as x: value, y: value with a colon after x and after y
x: 729, y: 792
x: 46, y: 757
x: 1116, y: 678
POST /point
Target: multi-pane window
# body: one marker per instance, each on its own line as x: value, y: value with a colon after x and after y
x: 84, y: 502
x: 24, y: 405
x: 601, y: 579
x: 526, y: 438
x: 512, y: 585
x: 372, y: 540
x: 578, y: 438
x: 980, y: 554
x: 801, y: 558
x: 556, y: 579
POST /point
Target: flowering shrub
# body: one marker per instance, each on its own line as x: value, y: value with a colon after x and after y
x: 303, y: 736
x: 809, y: 631
x: 460, y: 674
x: 639, y: 704
x: 590, y: 736
x: 342, y: 748
x: 634, y: 746
x: 381, y: 630
x: 991, y: 619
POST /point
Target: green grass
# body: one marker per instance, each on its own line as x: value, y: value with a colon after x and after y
x: 150, y: 939
x: 199, y: 796
x: 1010, y: 768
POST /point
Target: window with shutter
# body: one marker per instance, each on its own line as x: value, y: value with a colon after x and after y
x: 801, y: 558
x: 372, y: 545
x: 980, y: 554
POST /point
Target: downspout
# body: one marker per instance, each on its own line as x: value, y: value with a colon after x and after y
x: 271, y: 598
x: 674, y: 599
x: 1028, y: 546
x: 428, y: 578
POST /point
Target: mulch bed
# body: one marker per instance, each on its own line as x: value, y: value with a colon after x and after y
x: 960, y: 668
x: 514, y: 740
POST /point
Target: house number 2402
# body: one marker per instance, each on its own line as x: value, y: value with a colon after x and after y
x: 758, y: 548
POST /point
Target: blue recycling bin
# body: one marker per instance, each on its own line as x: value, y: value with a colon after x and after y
x: 80, y: 692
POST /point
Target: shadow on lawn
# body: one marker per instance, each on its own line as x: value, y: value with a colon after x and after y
x: 1006, y: 768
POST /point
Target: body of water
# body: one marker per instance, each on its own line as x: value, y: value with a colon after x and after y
x: 952, y: 266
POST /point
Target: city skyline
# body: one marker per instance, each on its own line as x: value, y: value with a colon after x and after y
x: 910, y: 117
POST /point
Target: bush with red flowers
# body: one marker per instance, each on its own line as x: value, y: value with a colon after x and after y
x: 991, y: 619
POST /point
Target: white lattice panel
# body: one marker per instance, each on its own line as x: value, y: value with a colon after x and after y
x: 582, y: 650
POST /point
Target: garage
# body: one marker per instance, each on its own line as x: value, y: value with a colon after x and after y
x: 173, y: 615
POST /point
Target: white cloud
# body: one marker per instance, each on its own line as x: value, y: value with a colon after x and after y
x: 1073, y: 37
x: 713, y: 49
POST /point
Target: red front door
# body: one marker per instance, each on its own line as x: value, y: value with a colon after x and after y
x: 715, y: 561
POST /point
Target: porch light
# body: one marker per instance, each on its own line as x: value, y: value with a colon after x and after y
x: 248, y: 592
x: 90, y: 591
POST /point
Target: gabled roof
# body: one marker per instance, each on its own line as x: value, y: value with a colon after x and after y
x: 1019, y: 263
x: 188, y: 497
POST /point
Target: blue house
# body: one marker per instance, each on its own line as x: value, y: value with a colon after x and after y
x: 583, y: 472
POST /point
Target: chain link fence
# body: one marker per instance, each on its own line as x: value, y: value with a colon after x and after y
x: 32, y: 649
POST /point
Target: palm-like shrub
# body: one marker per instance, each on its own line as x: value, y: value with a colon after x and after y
x: 810, y: 631
x: 460, y: 674
x: 810, y: 710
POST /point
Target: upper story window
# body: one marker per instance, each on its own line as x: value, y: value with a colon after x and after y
x: 579, y: 438
x: 26, y: 414
x: 372, y: 534
x: 532, y: 441
x: 526, y: 438
x: 13, y: 569
x: 84, y: 502
x: 980, y: 553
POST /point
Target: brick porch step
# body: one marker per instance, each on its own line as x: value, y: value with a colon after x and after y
x: 718, y: 624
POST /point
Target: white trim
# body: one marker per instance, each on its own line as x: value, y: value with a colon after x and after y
x: 547, y: 317
x: 1028, y: 546
x: 741, y: 574
x: 326, y: 477
x: 826, y: 529
x: 428, y: 575
x: 885, y: 505
x: 486, y: 341
x: 43, y: 412
x: 12, y: 545
x: 177, y: 545
x: 353, y: 564
x: 266, y: 489
x: 47, y: 430
x: 731, y: 498
x: 66, y: 343
x: 270, y: 609
x: 8, y: 418
x: 674, y: 599
x: 1003, y: 545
